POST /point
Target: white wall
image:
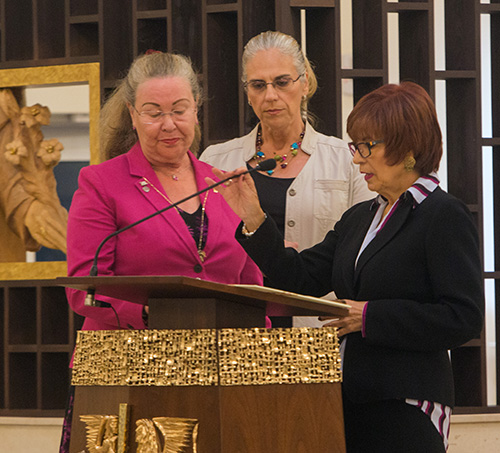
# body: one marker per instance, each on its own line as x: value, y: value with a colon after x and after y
x: 69, y: 106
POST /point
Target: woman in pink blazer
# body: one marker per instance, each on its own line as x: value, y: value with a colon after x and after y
x: 148, y: 127
x: 123, y: 190
x: 157, y: 103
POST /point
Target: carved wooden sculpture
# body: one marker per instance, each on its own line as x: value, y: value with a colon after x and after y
x: 31, y: 214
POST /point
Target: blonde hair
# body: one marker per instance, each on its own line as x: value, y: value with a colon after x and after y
x: 115, y: 128
x: 287, y: 45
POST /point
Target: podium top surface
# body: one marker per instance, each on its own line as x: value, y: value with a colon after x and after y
x: 139, y: 289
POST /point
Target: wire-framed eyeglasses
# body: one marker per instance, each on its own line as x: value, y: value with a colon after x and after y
x: 153, y: 116
x: 363, y: 148
x: 282, y: 83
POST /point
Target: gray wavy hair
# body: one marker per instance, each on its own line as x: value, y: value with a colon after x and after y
x: 115, y: 127
x: 287, y: 45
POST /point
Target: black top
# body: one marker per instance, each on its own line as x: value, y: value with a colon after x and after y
x: 193, y: 222
x: 272, y: 196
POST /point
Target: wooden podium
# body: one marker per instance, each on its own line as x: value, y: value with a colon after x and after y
x: 231, y: 414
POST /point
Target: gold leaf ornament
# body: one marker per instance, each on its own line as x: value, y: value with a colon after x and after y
x: 167, y: 435
x: 102, y: 433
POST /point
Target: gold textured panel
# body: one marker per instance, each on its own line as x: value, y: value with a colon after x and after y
x: 145, y: 357
x: 207, y: 357
x: 278, y: 356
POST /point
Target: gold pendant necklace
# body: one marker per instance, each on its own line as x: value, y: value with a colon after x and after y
x: 201, y: 253
x: 174, y: 176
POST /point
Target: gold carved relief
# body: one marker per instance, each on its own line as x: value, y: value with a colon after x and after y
x: 102, y: 433
x: 108, y: 433
x: 14, y: 230
x: 31, y: 214
x: 167, y: 435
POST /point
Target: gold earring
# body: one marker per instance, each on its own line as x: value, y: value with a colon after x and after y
x: 409, y: 163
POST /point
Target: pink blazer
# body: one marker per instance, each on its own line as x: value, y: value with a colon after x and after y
x: 110, y: 196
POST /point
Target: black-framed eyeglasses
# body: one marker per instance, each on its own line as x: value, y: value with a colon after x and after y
x: 282, y: 83
x: 363, y: 148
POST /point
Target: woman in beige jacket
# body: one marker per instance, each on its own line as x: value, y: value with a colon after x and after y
x: 315, y: 180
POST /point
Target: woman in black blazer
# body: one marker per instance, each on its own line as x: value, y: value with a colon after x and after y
x: 408, y: 264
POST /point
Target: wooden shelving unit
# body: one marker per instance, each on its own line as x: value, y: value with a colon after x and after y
x: 213, y: 33
x: 36, y: 346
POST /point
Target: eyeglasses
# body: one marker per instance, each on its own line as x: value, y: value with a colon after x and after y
x: 283, y: 83
x: 153, y: 116
x: 363, y: 148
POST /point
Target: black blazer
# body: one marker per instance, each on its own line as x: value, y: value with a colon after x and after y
x: 422, y: 277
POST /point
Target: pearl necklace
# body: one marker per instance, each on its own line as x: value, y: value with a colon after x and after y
x: 201, y: 253
x: 280, y: 159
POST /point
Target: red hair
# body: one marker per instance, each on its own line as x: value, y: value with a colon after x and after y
x: 404, y: 117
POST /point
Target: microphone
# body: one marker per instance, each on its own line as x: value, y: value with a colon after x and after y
x: 265, y: 165
x: 90, y: 301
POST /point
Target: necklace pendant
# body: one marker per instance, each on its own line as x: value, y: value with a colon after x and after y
x: 202, y: 255
x: 175, y: 178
